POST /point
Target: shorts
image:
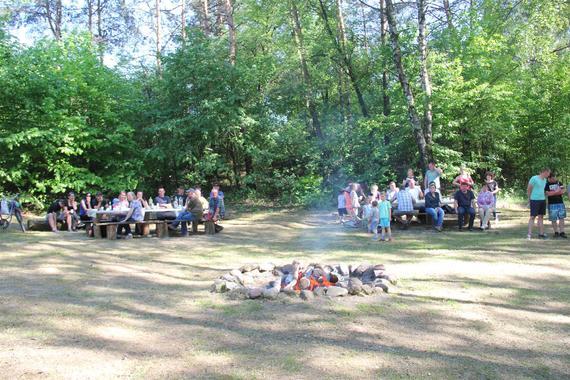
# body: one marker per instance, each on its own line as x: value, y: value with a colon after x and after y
x: 537, y: 208
x: 556, y: 211
x: 342, y: 211
x: 385, y: 222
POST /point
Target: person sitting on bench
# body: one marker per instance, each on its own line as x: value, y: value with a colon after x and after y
x: 464, y: 202
x: 405, y: 207
x: 192, y: 212
x: 134, y: 215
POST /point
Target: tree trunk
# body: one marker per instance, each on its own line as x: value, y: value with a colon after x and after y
x: 183, y: 20
x: 412, y: 111
x: 383, y: 31
x: 219, y: 17
x: 309, y: 102
x: 229, y: 13
x: 205, y: 17
x: 158, y: 36
x: 424, y: 75
x: 54, y: 17
x: 100, y: 30
x: 90, y: 17
x: 448, y: 16
x: 343, y: 52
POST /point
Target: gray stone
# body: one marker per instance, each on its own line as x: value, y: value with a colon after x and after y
x: 290, y: 287
x: 288, y: 268
x: 368, y: 276
x: 379, y: 267
x: 271, y: 293
x: 238, y: 276
x: 359, y: 271
x: 378, y: 273
x: 382, y: 284
x: 228, y: 277
x: 390, y: 277
x: 266, y: 267
x: 230, y: 285
x: 248, y: 268
x: 368, y: 290
x: 239, y: 293
x: 307, y: 295
x: 219, y: 286
x: 336, y: 291
x: 354, y: 286
x: 344, y: 270
x: 254, y: 293
x: 319, y: 292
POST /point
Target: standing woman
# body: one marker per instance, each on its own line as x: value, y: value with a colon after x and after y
x: 463, y: 177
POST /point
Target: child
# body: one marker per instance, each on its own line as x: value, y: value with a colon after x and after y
x: 556, y: 209
x: 493, y: 187
x: 366, y: 212
x: 374, y: 219
x: 341, y: 201
x: 354, y: 202
x: 385, y: 211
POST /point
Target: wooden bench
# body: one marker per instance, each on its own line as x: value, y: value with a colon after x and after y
x: 112, y: 227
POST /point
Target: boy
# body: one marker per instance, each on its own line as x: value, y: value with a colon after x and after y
x: 537, y: 202
x: 385, y: 211
x: 341, y: 206
x: 556, y: 210
x: 374, y: 219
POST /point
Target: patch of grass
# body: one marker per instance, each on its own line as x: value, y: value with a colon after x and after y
x: 246, y: 308
x: 290, y: 363
x: 370, y: 309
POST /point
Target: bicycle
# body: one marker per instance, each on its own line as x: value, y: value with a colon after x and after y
x: 10, y: 207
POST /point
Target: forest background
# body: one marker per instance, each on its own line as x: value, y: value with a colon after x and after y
x: 279, y: 99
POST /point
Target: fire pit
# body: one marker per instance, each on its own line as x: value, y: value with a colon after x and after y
x: 307, y: 281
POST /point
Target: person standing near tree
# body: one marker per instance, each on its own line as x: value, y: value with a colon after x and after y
x: 556, y: 209
x: 537, y: 202
x: 433, y: 174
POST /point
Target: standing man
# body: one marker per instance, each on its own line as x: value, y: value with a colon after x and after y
x: 537, y: 202
x: 432, y: 175
x: 464, y: 204
x: 556, y: 210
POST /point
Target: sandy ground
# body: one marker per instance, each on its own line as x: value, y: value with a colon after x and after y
x: 468, y: 305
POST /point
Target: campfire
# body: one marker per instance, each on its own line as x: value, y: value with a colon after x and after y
x: 307, y: 281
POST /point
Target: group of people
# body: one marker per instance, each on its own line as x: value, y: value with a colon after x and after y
x: 542, y: 188
x: 378, y: 208
x: 190, y: 205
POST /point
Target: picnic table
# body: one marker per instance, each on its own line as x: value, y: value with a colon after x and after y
x: 109, y: 220
x: 422, y: 203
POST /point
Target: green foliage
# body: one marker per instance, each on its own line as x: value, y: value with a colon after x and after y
x: 64, y: 121
x: 501, y: 102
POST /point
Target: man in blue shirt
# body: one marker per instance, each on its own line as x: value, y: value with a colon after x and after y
x: 537, y: 202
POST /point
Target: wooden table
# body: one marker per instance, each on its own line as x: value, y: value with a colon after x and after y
x: 107, y: 219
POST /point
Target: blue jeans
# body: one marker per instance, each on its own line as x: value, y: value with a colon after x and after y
x: 185, y: 217
x: 461, y: 211
x: 436, y: 215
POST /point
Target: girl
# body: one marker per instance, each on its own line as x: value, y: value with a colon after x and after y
x: 341, y: 206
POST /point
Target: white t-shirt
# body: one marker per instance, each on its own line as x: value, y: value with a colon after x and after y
x: 341, y: 201
x: 415, y: 193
